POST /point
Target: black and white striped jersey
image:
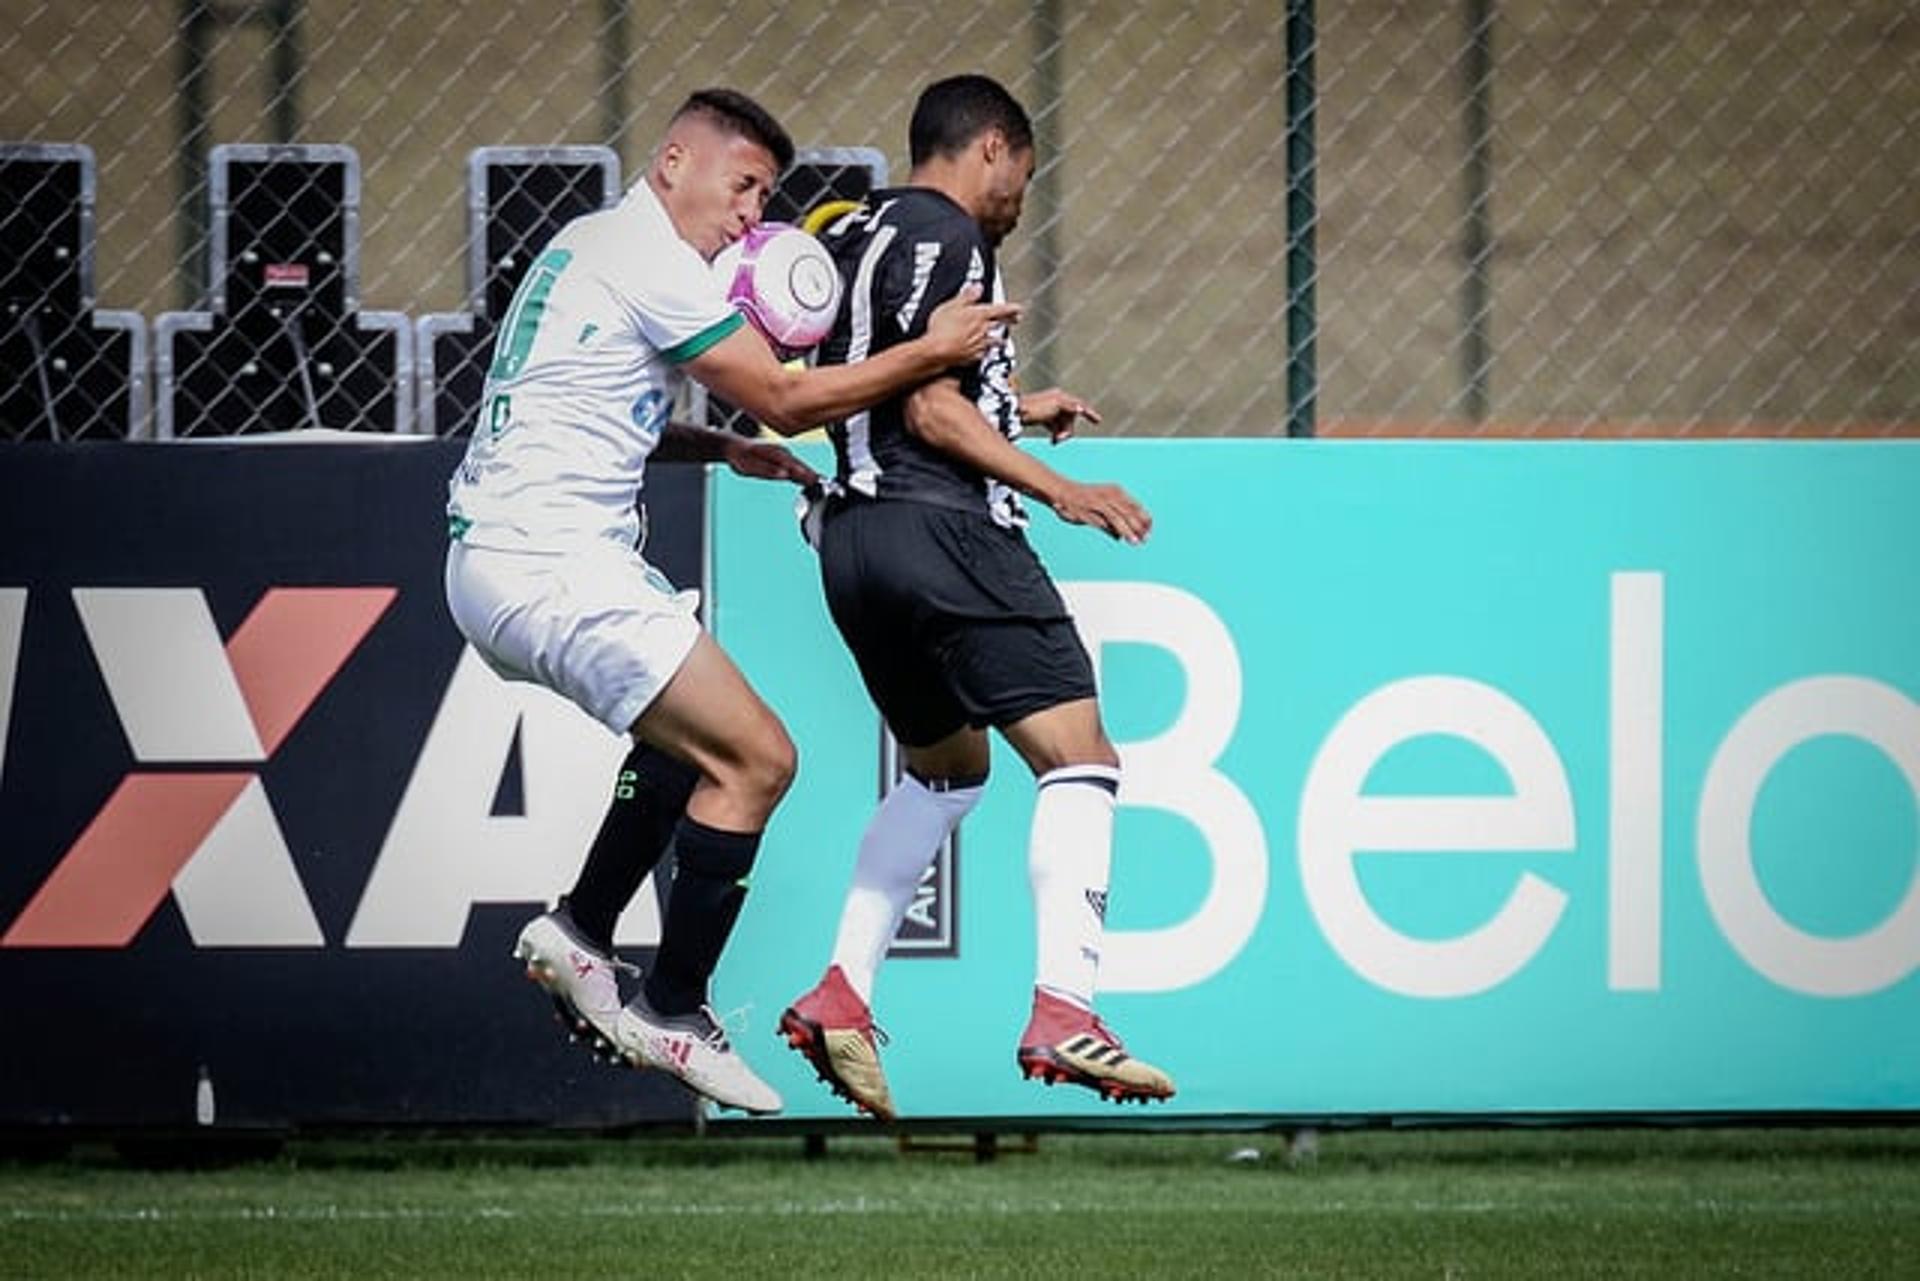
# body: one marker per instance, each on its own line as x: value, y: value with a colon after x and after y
x: 906, y: 251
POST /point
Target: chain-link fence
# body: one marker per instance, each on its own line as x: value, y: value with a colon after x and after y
x: 1682, y: 217
x: 1531, y: 216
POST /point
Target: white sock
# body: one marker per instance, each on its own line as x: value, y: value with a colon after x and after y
x: 900, y: 841
x: 1069, y: 855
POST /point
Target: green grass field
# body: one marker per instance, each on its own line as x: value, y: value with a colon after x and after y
x: 1653, y: 1203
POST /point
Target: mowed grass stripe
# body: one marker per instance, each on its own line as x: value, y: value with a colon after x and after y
x: 860, y: 1207
x: 1649, y: 1203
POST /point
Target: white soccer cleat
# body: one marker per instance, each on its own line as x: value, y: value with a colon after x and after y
x: 694, y: 1048
x: 582, y: 980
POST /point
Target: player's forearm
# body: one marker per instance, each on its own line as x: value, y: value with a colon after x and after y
x: 686, y: 443
x: 955, y: 427
x: 809, y: 397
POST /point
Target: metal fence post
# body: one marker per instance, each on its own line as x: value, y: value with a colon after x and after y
x: 1476, y: 227
x: 1302, y: 376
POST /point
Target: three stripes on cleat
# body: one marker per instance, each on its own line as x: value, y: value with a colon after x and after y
x: 1095, y: 1050
x: 1050, y: 1066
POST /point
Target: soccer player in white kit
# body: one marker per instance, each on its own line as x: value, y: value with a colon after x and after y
x: 545, y: 576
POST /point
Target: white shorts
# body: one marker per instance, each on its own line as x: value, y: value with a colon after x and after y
x: 604, y: 629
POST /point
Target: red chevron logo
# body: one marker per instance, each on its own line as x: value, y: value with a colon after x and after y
x: 128, y: 858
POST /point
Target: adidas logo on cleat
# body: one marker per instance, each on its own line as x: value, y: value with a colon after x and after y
x: 693, y: 1048
x: 1067, y: 1043
x: 1114, y: 1075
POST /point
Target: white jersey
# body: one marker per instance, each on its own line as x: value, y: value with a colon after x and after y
x: 586, y: 369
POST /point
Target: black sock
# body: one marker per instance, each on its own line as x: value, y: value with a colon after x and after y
x: 709, y: 885
x: 649, y: 796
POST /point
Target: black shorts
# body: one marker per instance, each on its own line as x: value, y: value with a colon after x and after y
x: 952, y: 619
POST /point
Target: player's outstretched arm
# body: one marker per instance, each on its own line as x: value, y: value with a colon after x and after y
x: 940, y: 416
x: 742, y: 370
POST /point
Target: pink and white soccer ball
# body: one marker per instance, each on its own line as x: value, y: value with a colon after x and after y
x: 784, y: 282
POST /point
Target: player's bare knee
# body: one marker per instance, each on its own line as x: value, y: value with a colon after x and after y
x: 769, y: 768
x: 1046, y: 755
x: 964, y: 755
x: 1103, y: 754
x: 786, y: 765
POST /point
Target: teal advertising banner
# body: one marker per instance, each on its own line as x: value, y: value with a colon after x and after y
x: 1461, y: 778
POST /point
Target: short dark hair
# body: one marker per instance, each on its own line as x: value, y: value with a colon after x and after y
x: 736, y: 113
x: 953, y: 112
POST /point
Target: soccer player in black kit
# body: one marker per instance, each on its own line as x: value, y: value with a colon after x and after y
x: 952, y: 619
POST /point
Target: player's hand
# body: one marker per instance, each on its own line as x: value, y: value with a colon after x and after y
x: 1056, y: 410
x: 963, y: 326
x: 1105, y: 507
x: 764, y: 460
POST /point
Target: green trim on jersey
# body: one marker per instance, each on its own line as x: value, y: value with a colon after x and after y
x: 681, y: 352
x: 457, y: 527
x: 522, y: 322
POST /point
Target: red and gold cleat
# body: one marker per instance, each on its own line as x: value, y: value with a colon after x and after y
x: 1064, y: 1042
x: 832, y: 1027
